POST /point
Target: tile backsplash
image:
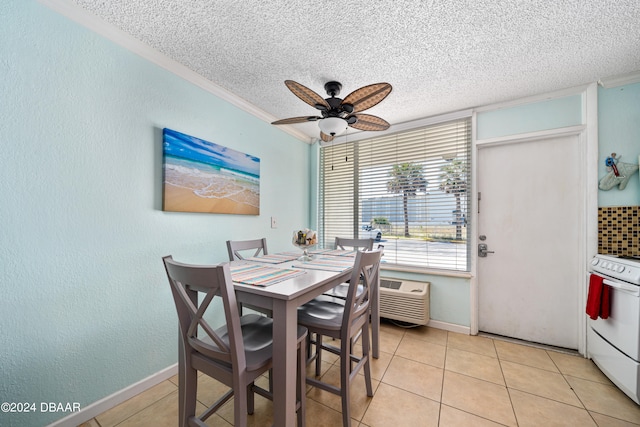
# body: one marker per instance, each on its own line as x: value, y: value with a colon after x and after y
x: 619, y: 230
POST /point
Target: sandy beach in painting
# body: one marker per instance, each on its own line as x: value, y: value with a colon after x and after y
x: 185, y: 200
x: 193, y: 186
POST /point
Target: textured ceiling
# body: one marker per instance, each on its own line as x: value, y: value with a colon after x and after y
x: 440, y: 56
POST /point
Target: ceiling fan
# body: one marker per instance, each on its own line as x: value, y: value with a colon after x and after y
x: 336, y: 113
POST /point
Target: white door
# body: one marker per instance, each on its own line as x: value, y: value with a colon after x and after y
x: 531, y: 212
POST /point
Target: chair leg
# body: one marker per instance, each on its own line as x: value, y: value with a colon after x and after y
x: 318, y: 354
x: 308, y: 345
x: 351, y: 345
x: 187, y: 390
x: 240, y: 407
x: 250, y: 399
x: 366, y: 353
x: 345, y: 374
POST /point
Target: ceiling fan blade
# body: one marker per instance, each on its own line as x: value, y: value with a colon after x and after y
x: 307, y: 95
x: 367, y: 96
x: 325, y: 137
x: 292, y: 120
x: 369, y: 122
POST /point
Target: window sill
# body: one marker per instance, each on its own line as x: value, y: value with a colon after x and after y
x: 429, y: 271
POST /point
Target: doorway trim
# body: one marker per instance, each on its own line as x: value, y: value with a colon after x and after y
x: 588, y: 137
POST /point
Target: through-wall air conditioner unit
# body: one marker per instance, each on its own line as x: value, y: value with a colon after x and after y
x: 404, y: 300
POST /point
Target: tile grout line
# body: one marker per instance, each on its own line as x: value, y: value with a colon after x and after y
x: 506, y: 386
x: 444, y: 368
x: 147, y: 406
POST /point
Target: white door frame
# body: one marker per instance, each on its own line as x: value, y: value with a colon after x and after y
x: 588, y: 137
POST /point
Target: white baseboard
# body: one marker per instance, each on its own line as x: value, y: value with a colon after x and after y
x: 449, y: 327
x: 102, y: 405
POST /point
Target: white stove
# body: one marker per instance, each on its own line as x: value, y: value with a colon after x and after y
x: 619, y: 268
x: 614, y: 343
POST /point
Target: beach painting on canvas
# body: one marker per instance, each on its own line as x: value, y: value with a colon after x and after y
x: 200, y: 176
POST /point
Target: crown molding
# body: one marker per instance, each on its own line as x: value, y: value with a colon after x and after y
x: 620, y: 80
x: 110, y: 32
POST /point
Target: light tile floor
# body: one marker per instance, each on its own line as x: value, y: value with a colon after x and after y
x: 429, y: 377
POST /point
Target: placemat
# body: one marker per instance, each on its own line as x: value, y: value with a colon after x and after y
x: 258, y: 275
x: 340, y: 252
x: 274, y: 258
x: 319, y: 251
x: 327, y: 263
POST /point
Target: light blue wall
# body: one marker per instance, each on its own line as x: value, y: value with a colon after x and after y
x: 531, y: 117
x: 619, y: 132
x: 86, y: 309
x: 449, y: 296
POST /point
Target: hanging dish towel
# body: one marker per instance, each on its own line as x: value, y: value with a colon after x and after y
x: 598, y: 298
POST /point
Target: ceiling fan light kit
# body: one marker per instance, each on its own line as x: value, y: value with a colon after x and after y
x: 337, y: 114
x: 333, y: 126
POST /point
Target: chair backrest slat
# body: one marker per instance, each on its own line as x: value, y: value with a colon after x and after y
x: 234, y: 247
x: 356, y: 244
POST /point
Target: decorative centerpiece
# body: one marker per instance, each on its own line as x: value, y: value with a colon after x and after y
x: 305, y: 239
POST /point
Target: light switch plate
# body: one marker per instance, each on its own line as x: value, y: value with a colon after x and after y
x: 273, y: 222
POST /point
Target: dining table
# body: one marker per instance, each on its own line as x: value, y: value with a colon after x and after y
x: 292, y: 284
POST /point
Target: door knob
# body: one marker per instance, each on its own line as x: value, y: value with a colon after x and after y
x: 482, y: 250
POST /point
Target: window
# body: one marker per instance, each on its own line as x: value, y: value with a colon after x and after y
x: 410, y: 190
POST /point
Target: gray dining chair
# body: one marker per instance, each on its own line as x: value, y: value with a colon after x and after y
x: 356, y: 244
x: 235, y: 354
x: 343, y: 243
x: 241, y: 249
x: 347, y: 321
x: 238, y: 249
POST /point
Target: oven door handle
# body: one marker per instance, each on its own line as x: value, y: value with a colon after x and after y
x: 621, y: 285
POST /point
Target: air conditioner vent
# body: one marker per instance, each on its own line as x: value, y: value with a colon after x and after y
x: 404, y: 300
x: 391, y: 284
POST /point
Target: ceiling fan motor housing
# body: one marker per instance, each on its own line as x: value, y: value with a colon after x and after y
x: 333, y: 88
x: 336, y: 107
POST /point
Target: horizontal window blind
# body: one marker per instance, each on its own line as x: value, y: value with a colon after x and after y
x: 412, y: 187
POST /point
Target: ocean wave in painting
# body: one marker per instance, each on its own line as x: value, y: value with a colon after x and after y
x: 210, y: 182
